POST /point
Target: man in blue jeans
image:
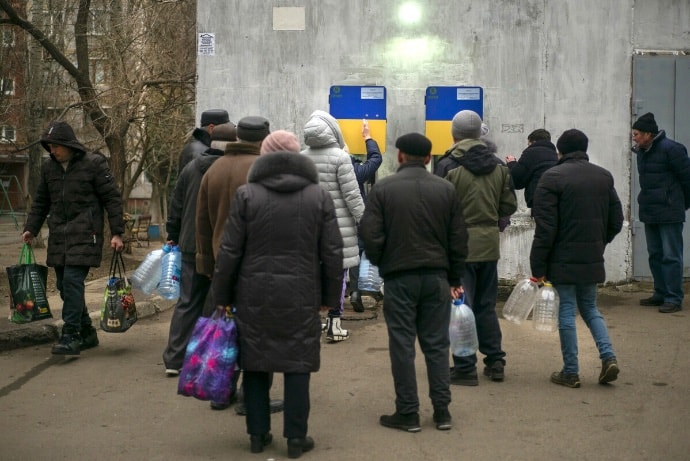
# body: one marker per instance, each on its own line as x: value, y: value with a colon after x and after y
x: 664, y: 169
x: 577, y: 212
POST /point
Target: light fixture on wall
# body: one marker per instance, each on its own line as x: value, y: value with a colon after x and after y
x: 410, y: 13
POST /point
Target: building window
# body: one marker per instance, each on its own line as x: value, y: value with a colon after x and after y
x: 8, y: 37
x: 7, y: 86
x: 7, y: 134
x: 55, y: 22
x: 99, y: 71
x: 99, y: 20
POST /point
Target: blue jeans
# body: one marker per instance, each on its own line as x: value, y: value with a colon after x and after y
x: 584, y: 297
x: 665, y: 248
x: 70, y: 282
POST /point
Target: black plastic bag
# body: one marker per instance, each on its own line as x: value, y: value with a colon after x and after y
x: 119, y: 311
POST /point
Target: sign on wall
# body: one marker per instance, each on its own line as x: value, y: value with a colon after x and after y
x: 350, y: 105
x: 442, y: 103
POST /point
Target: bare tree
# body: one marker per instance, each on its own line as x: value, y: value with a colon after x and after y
x: 130, y: 66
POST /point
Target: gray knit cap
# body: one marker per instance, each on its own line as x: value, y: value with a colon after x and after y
x: 466, y: 125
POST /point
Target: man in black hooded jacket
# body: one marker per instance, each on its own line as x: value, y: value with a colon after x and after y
x: 76, y: 187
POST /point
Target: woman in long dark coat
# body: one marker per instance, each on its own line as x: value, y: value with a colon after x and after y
x: 279, y: 262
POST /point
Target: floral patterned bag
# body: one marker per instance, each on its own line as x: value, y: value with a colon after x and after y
x: 119, y: 311
x: 209, y: 363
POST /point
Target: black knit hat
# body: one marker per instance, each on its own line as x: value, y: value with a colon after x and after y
x: 62, y: 134
x: 253, y: 129
x: 414, y: 144
x: 572, y: 141
x: 646, y: 123
x: 214, y: 117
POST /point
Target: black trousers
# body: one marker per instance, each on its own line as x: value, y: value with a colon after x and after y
x: 193, y: 290
x: 256, y: 385
x: 480, y: 283
x: 418, y: 306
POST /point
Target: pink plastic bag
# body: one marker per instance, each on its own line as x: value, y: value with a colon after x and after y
x: 209, y: 363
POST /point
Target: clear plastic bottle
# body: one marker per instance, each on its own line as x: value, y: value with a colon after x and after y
x: 369, y: 278
x: 521, y: 300
x: 171, y: 270
x: 462, y: 329
x: 545, y: 316
x: 148, y: 274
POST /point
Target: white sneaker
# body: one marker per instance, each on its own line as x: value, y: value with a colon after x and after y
x: 171, y: 372
x: 334, y: 331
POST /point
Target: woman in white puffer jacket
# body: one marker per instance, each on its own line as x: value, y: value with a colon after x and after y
x: 325, y: 144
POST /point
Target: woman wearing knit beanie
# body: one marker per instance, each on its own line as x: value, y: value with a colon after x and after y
x: 280, y: 141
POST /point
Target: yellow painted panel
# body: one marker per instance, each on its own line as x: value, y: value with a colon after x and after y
x: 352, y: 132
x: 439, y: 134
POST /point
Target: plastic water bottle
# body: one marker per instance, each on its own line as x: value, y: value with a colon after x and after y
x: 171, y: 270
x: 462, y: 329
x: 521, y: 300
x: 148, y: 274
x: 545, y: 316
x: 369, y: 278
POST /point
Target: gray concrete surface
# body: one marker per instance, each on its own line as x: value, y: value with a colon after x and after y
x: 114, y: 401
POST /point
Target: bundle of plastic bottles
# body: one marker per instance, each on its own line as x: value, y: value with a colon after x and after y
x: 528, y: 296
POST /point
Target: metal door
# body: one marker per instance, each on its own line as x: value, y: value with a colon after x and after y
x: 661, y: 85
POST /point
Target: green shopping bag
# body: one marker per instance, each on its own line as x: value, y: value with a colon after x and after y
x: 27, y: 280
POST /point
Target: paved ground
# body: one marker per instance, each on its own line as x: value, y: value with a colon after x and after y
x: 115, y: 402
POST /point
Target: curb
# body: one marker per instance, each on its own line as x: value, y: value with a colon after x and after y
x: 16, y: 336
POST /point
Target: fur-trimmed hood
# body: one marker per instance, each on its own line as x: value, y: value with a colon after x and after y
x: 283, y: 171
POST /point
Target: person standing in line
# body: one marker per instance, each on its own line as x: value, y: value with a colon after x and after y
x: 577, y: 212
x: 420, y: 281
x: 664, y: 169
x: 325, y: 144
x: 216, y: 191
x: 539, y: 156
x: 280, y: 260
x: 365, y: 173
x: 76, y: 187
x: 200, y: 140
x: 181, y: 229
x: 486, y: 191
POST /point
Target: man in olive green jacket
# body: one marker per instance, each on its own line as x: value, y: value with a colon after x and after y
x: 486, y: 192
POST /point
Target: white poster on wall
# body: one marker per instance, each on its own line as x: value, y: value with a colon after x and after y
x: 206, y: 44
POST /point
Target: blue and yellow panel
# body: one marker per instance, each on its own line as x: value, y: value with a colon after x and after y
x: 442, y: 103
x: 350, y: 105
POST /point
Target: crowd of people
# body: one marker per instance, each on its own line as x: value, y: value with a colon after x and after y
x: 276, y: 231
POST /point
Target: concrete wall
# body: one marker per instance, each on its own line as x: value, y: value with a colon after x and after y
x: 555, y: 64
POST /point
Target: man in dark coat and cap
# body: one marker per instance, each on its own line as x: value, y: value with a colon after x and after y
x: 76, y: 187
x: 664, y: 169
x: 419, y: 281
x: 200, y: 140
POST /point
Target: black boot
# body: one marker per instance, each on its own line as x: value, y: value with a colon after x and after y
x: 356, y: 301
x: 69, y: 344
x: 89, y: 337
x: 298, y: 446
